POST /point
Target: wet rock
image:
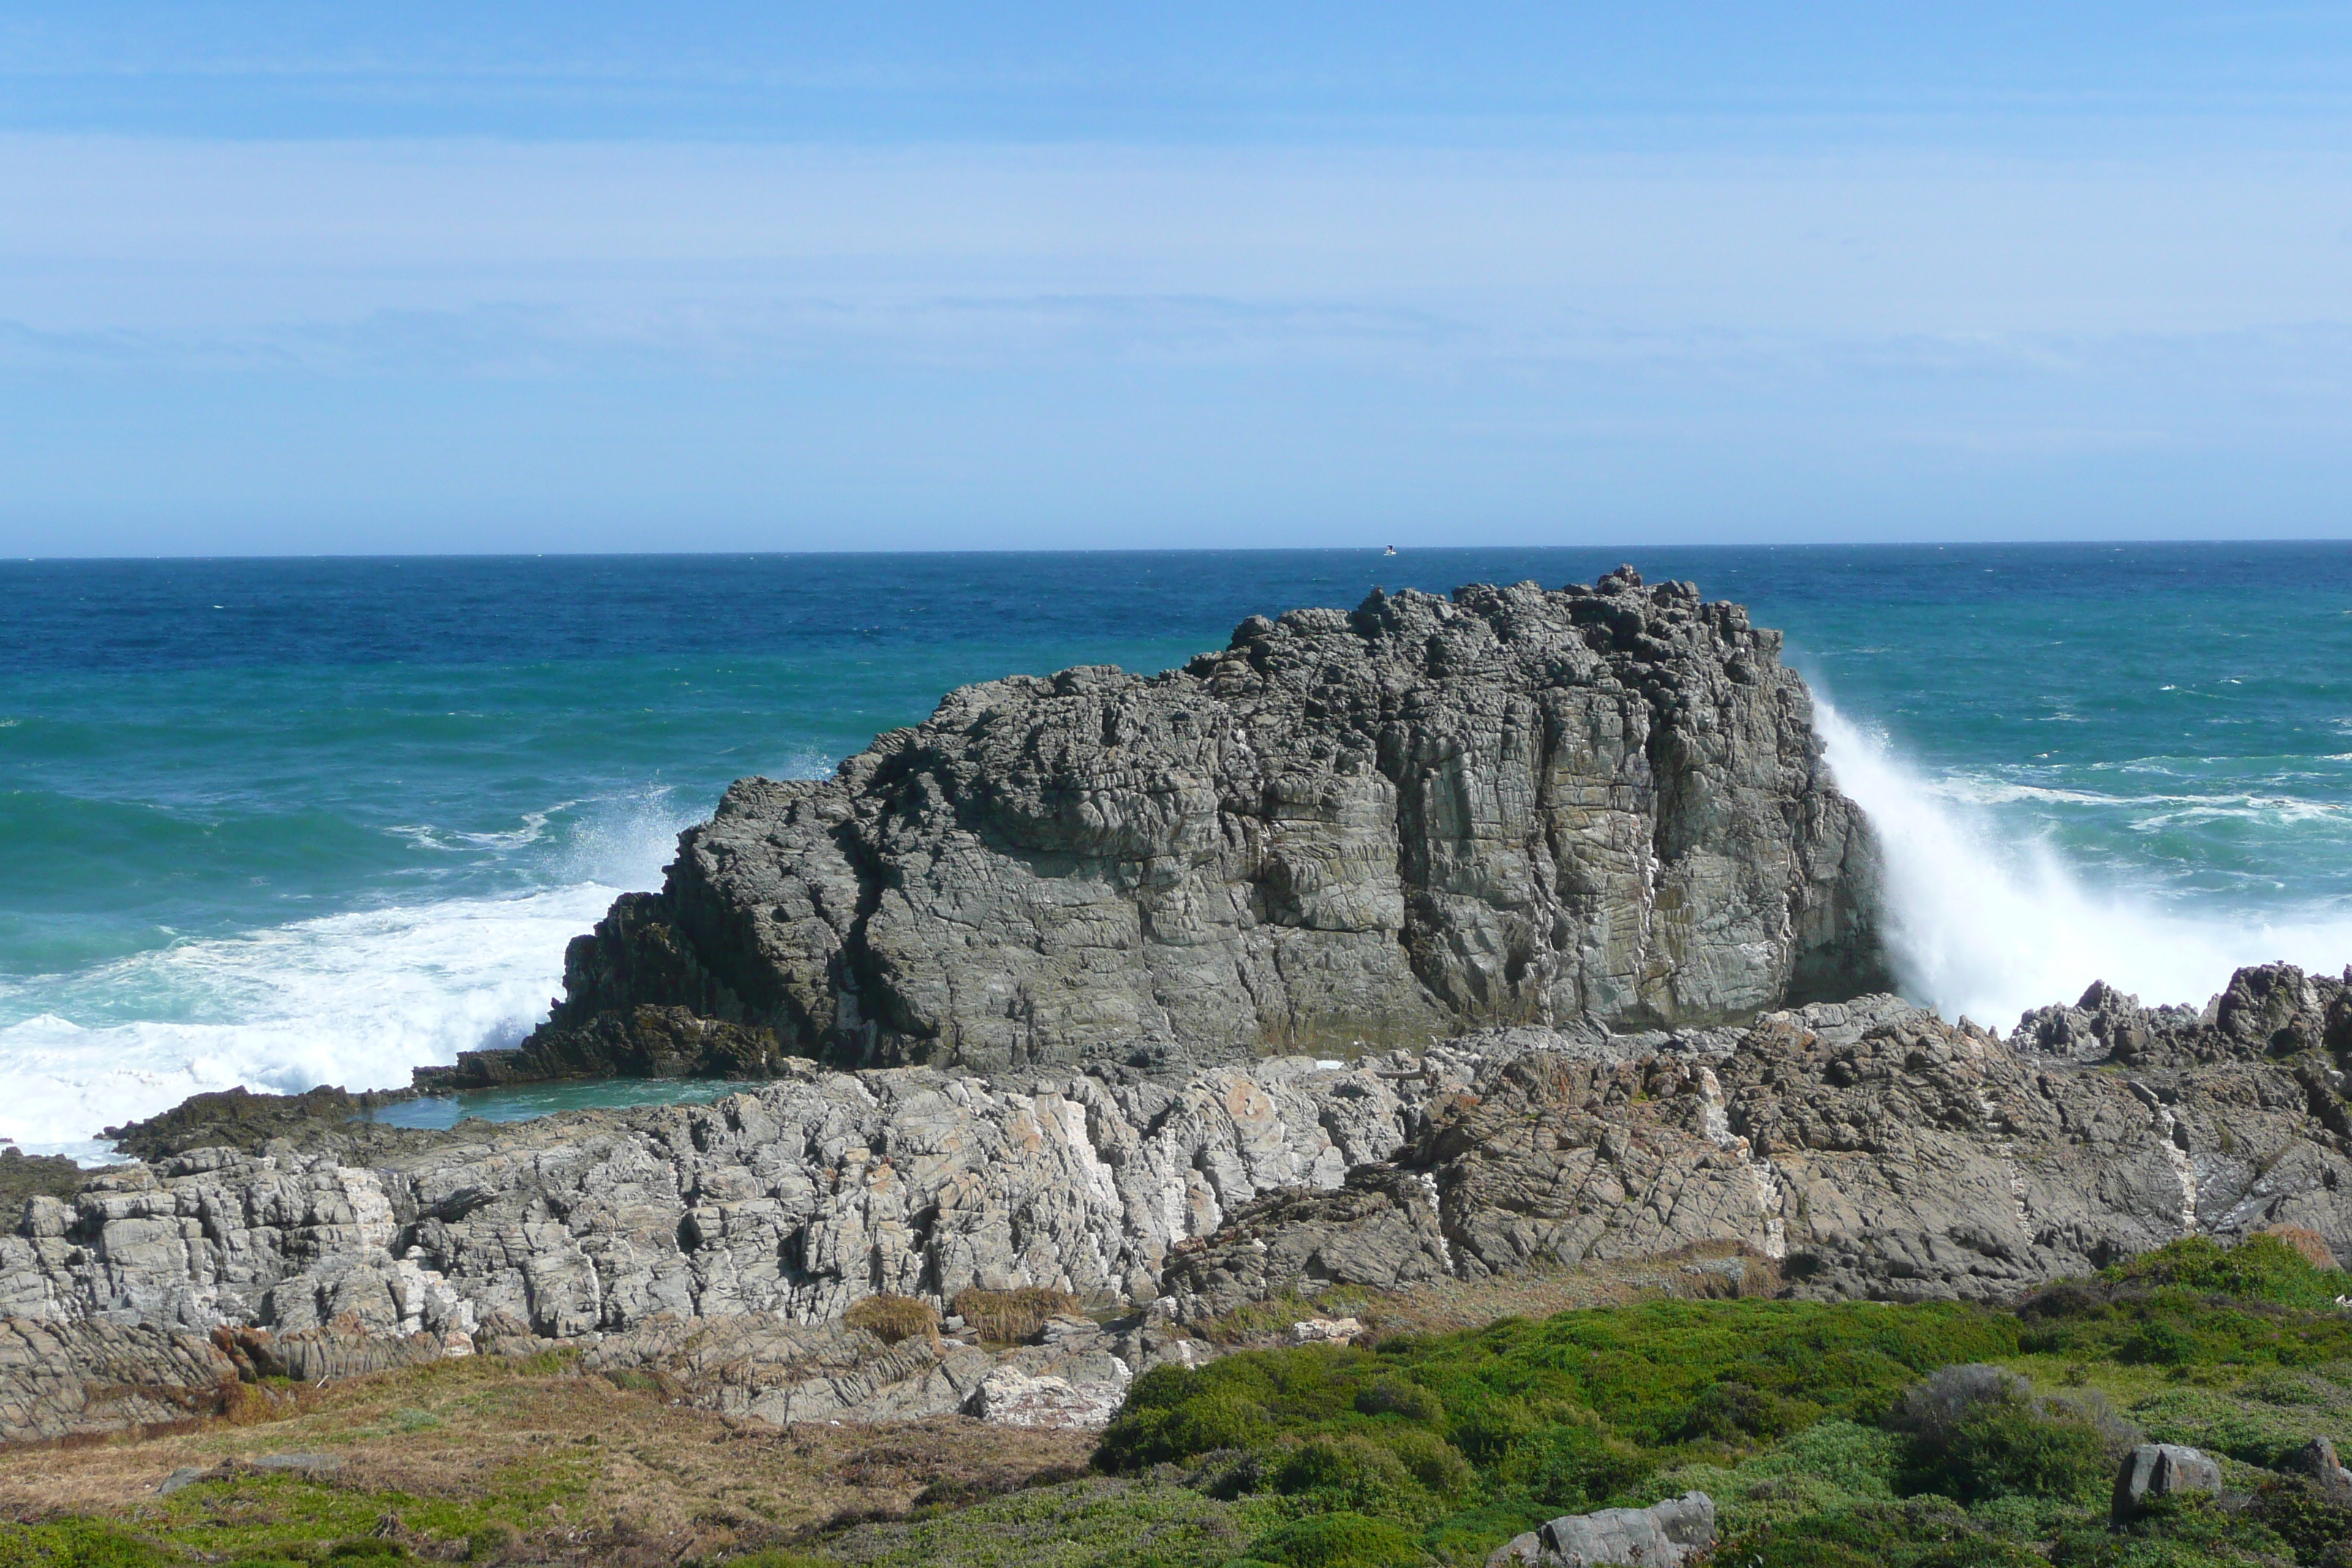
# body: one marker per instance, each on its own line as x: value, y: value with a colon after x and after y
x: 1425, y: 815
x: 641, y: 1042
x: 240, y: 1118
x: 2162, y: 1469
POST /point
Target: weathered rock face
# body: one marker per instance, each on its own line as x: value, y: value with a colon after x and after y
x: 1421, y: 816
x: 796, y: 1200
x: 1866, y: 1147
x: 1872, y: 1149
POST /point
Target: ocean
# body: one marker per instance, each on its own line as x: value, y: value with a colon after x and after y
x: 290, y: 821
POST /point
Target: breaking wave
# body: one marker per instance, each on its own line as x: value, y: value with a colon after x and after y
x: 354, y: 999
x: 1987, y: 920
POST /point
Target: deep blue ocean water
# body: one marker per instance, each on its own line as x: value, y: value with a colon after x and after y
x: 289, y: 822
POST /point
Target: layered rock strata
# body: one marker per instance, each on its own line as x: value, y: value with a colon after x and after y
x: 1865, y: 1149
x: 1422, y: 816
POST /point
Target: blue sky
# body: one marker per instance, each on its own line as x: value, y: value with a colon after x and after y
x: 531, y: 277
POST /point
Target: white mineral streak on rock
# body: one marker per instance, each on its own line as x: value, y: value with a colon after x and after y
x: 2167, y: 1136
x: 1715, y: 1125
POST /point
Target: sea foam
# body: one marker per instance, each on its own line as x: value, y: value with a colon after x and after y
x: 1985, y: 922
x: 355, y: 999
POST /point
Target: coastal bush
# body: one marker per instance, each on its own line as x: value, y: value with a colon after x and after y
x: 1346, y: 1473
x: 1574, y: 1467
x: 891, y: 1318
x: 77, y: 1543
x: 2278, y: 1266
x: 1409, y: 1400
x: 1977, y: 1433
x: 1338, y: 1541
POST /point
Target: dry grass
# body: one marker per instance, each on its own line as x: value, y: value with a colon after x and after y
x: 1009, y: 1317
x: 1703, y: 1271
x: 2310, y: 1243
x: 560, y: 1461
x: 894, y: 1318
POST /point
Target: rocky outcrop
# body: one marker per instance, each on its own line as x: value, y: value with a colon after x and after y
x: 1421, y: 816
x: 636, y: 1042
x: 1870, y: 1151
x: 1856, y: 1149
x: 59, y: 1379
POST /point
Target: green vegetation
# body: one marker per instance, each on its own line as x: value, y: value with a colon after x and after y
x: 1852, y: 1433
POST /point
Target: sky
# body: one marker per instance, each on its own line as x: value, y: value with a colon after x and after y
x: 292, y: 278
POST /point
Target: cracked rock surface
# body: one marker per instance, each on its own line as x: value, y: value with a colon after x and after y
x: 1869, y: 1148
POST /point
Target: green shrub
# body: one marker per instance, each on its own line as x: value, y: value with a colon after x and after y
x: 1734, y: 1411
x: 2017, y: 1450
x: 2160, y: 1343
x: 1338, y: 1541
x: 1211, y: 1419
x: 1431, y: 1461
x: 1572, y: 1468
x: 1923, y: 1533
x: 1408, y: 1400
x: 77, y: 1543
x: 1349, y: 1474
x: 1979, y: 1432
x: 2259, y: 1268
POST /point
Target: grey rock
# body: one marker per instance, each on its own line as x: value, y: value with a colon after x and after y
x: 1428, y: 814
x: 1861, y: 1148
x: 1870, y: 1150
x: 181, y: 1479
x: 2161, y: 1469
x: 1010, y: 1397
x: 1524, y: 1548
x: 1663, y: 1535
x: 2317, y: 1461
x: 65, y: 1379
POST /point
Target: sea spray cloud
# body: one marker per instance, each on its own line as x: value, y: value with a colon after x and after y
x: 1987, y: 922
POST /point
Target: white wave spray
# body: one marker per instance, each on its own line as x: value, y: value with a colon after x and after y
x: 1984, y: 923
x: 353, y: 999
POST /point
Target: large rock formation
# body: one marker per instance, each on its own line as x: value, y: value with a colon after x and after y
x: 1416, y: 818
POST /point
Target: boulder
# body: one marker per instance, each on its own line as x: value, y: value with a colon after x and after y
x: 2162, y: 1469
x: 1325, y: 1330
x: 1345, y: 828
x: 2317, y: 1459
x: 1010, y: 1397
x: 1663, y: 1535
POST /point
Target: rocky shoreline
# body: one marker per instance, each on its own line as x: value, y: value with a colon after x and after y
x: 1553, y: 889
x: 1865, y: 1149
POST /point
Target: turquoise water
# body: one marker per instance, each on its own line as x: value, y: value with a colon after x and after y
x: 282, y: 823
